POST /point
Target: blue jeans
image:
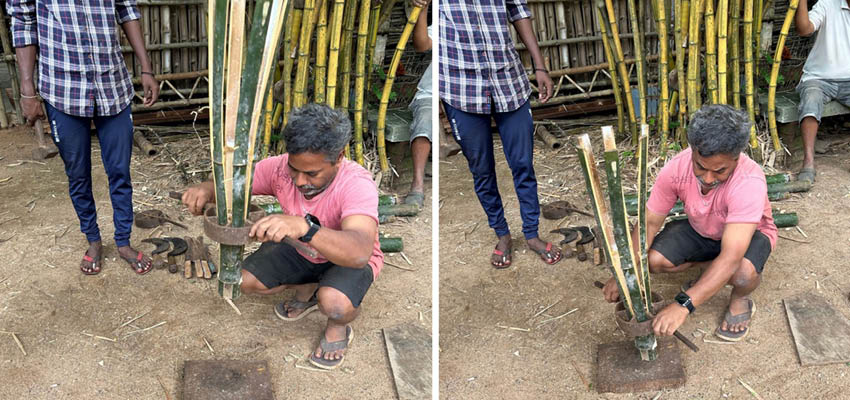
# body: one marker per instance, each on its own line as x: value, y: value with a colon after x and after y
x: 516, y: 129
x: 73, y: 138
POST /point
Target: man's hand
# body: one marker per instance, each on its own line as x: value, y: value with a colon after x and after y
x: 610, y: 292
x: 420, y: 3
x: 545, y: 86
x: 669, y: 320
x: 151, y: 89
x: 196, y: 197
x: 30, y: 104
x: 273, y: 228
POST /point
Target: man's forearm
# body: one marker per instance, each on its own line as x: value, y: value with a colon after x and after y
x: 344, y: 248
x: 421, y: 41
x: 713, y: 279
x: 526, y: 35
x: 133, y: 31
x: 26, y: 68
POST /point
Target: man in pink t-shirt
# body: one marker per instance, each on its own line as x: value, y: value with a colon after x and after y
x: 729, y: 231
x: 328, y: 202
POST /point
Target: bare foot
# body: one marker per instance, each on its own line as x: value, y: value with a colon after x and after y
x: 91, y: 264
x: 140, y: 263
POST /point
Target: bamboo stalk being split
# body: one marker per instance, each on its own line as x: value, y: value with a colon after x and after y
x: 735, y: 46
x: 607, y: 8
x: 320, y: 73
x: 637, y: 39
x: 682, y: 14
x: 710, y: 51
x: 694, y: 84
x: 774, y: 75
x: 722, y: 34
x: 663, y: 104
x: 747, y: 24
x: 612, y: 71
x: 360, y: 80
x: 388, y: 86
x: 333, y: 57
x: 299, y: 97
x: 643, y: 194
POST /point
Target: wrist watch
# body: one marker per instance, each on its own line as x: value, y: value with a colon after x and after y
x: 685, y: 301
x: 314, y: 225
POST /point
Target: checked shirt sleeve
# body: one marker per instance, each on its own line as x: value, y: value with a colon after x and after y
x: 517, y: 10
x: 22, y: 13
x: 127, y: 10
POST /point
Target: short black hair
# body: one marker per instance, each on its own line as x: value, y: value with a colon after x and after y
x: 317, y: 128
x: 719, y: 129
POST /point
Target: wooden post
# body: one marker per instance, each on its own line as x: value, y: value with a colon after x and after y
x: 13, y: 70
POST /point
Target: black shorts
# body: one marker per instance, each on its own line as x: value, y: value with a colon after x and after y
x: 276, y: 264
x: 680, y: 243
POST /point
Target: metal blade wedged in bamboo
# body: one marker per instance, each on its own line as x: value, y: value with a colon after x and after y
x: 299, y: 97
x: 637, y: 39
x: 722, y: 34
x: 360, y: 80
x: 617, y: 51
x: 388, y: 86
x: 612, y: 73
x: 747, y: 23
x: 321, y: 70
x: 694, y: 84
x: 710, y: 51
x: 774, y: 76
x: 663, y: 105
x: 682, y: 13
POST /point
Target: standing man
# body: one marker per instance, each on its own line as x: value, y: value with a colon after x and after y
x: 483, y: 78
x: 729, y: 233
x: 420, y: 127
x: 82, y: 78
x: 330, y: 203
x: 826, y: 75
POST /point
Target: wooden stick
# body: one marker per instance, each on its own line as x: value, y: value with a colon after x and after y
x: 558, y: 317
x: 18, y: 341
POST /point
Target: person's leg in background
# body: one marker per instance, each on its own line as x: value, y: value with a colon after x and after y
x: 420, y: 147
x: 516, y: 128
x: 115, y: 133
x: 72, y: 137
x: 472, y: 133
x: 814, y: 94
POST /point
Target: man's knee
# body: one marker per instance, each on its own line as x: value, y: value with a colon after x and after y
x: 250, y: 283
x: 658, y: 263
x: 745, y: 275
x: 334, y: 303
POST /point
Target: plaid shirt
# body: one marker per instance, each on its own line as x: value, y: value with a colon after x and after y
x: 80, y: 64
x: 478, y: 58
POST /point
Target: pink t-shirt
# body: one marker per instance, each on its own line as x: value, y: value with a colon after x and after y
x: 742, y: 199
x: 352, y: 192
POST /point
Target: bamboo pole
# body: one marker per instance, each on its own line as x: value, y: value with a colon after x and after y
x: 757, y: 21
x: 710, y: 51
x: 290, y: 43
x: 374, y: 17
x: 333, y: 59
x: 639, y: 64
x: 735, y: 44
x: 747, y: 24
x: 267, y: 123
x: 386, y: 11
x: 614, y: 37
x: 320, y: 73
x: 217, y: 54
x: 388, y: 86
x: 694, y: 86
x: 774, y: 75
x: 642, y: 182
x: 661, y: 22
x: 612, y: 72
x: 722, y: 34
x: 299, y: 97
x: 5, y: 38
x: 682, y: 13
x: 345, y: 56
x: 360, y: 80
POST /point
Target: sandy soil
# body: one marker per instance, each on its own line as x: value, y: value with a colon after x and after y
x: 50, y: 305
x: 493, y: 346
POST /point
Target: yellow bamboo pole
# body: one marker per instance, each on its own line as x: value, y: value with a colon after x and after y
x: 735, y: 44
x: 360, y: 80
x: 345, y: 54
x: 621, y: 65
x: 637, y: 40
x: 293, y: 28
x: 320, y: 73
x: 333, y: 59
x: 710, y: 51
x: 388, y: 86
x: 694, y: 86
x: 774, y: 75
x: 267, y: 121
x: 612, y: 71
x: 662, y: 74
x: 722, y: 34
x: 747, y: 24
x: 299, y: 97
x: 682, y: 14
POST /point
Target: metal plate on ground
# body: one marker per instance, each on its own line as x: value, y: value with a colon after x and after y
x: 619, y: 368
x: 821, y: 333
x: 409, y: 350
x: 227, y: 379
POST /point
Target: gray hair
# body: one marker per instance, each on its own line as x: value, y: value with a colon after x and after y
x: 719, y: 129
x: 317, y: 128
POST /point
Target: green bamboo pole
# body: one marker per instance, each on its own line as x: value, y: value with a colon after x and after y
x: 299, y: 96
x: 747, y: 24
x: 388, y: 86
x: 320, y: 73
x: 735, y: 45
x: 629, y: 260
x: 217, y: 54
x: 612, y: 73
x: 292, y: 26
x: 774, y: 75
x: 333, y: 57
x: 663, y: 105
x: 694, y: 84
x: 614, y: 37
x: 637, y: 39
x: 710, y: 51
x: 642, y: 182
x: 360, y: 80
x: 374, y: 17
x: 757, y: 23
x: 682, y: 13
x: 722, y: 35
x: 345, y: 54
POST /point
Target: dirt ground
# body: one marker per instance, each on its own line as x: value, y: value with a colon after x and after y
x: 51, y: 305
x: 494, y: 345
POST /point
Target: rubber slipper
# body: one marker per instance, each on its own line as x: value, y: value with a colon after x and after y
x: 730, y: 320
x: 95, y: 268
x: 417, y: 198
x: 506, y: 259
x: 807, y: 174
x: 332, y: 346
x: 283, y: 308
x: 138, y: 259
x: 547, y: 255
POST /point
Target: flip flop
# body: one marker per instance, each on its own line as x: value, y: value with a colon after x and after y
x: 283, y: 308
x: 730, y: 319
x: 95, y: 268
x: 417, y: 198
x: 547, y: 255
x: 506, y: 259
x: 139, y: 257
x: 807, y: 174
x: 332, y: 346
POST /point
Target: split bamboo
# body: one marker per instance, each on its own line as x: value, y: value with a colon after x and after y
x: 388, y: 86
x: 299, y: 97
x: 360, y: 80
x: 320, y: 72
x: 722, y: 34
x: 614, y: 37
x: 774, y: 75
x: 661, y: 22
x: 333, y: 59
x: 642, y: 193
x: 694, y: 86
x: 747, y: 24
x: 710, y: 51
x: 612, y: 72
